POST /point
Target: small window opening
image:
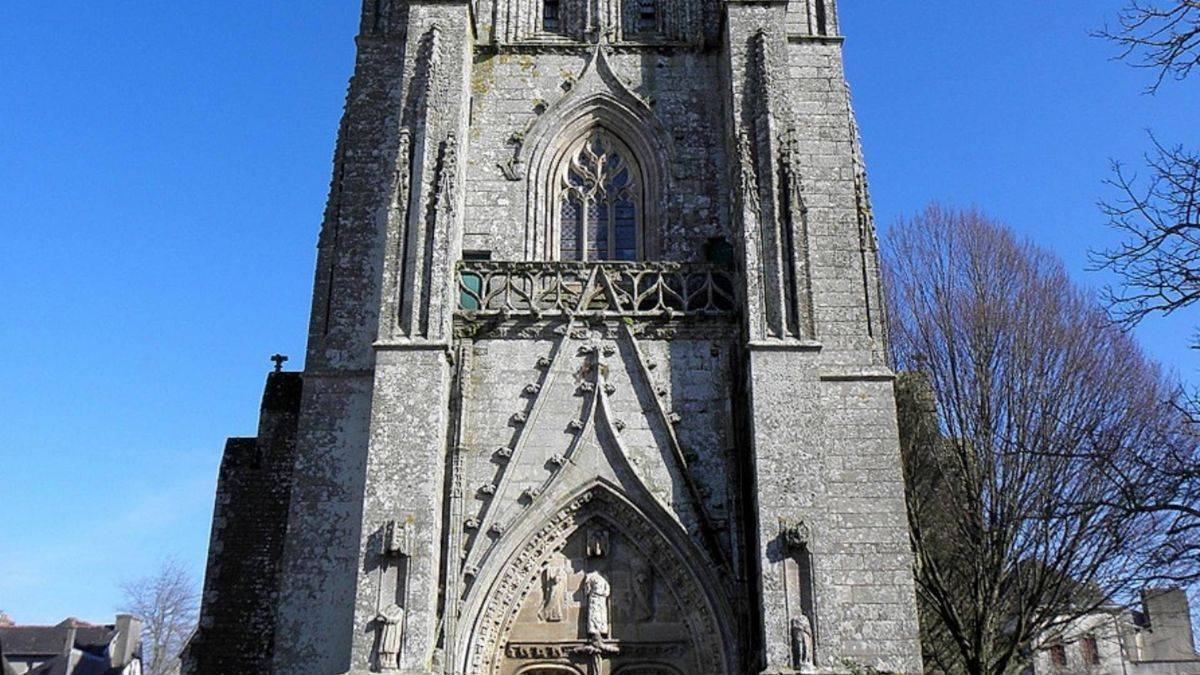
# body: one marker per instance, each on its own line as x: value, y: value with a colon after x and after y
x: 647, y: 19
x: 1058, y: 655
x: 1091, y: 652
x: 470, y: 291
x: 550, y: 18
x: 822, y: 18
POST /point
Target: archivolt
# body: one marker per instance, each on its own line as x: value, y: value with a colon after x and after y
x: 501, y: 589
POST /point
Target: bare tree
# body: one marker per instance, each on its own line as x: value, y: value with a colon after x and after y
x: 168, y: 604
x: 1029, y: 402
x: 1158, y: 216
x: 1159, y: 35
x: 1158, y: 260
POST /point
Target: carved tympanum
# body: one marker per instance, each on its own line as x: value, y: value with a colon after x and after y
x: 599, y: 586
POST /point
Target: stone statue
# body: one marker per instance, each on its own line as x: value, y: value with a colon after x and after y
x: 597, y: 589
x: 643, y: 590
x: 391, y: 636
x: 802, y: 641
x: 597, y: 542
x: 554, y: 589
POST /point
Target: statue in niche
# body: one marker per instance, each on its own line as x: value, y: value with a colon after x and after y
x: 597, y: 542
x: 597, y: 589
x: 554, y: 589
x: 802, y: 642
x: 643, y: 590
x: 796, y: 536
x: 391, y: 636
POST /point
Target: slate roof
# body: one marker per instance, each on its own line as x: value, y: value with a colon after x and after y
x: 48, y: 640
x: 88, y: 665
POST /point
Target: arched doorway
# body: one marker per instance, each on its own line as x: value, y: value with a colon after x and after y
x: 600, y: 588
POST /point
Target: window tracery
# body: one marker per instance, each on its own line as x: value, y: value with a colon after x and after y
x: 599, y: 202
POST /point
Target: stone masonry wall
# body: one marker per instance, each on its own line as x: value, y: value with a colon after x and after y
x: 508, y: 91
x: 692, y: 376
x: 241, y: 584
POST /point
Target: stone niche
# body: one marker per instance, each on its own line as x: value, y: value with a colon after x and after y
x: 598, y: 606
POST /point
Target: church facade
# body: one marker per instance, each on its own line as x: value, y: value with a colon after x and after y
x: 596, y: 378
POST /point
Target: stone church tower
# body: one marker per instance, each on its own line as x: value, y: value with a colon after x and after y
x: 596, y: 378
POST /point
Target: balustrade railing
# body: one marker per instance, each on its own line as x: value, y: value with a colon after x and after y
x: 633, y: 289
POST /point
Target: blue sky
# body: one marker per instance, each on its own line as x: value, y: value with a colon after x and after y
x: 164, y: 168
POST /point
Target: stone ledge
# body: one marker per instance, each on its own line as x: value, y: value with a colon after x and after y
x: 860, y: 375
x: 822, y: 39
x: 411, y: 345
x: 785, y: 346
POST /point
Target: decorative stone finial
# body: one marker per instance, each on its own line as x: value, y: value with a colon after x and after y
x: 279, y: 360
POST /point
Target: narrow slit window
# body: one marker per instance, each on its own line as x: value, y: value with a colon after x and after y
x: 550, y: 16
x: 822, y: 18
x: 647, y: 18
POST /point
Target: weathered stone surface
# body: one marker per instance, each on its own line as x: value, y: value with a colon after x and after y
x: 683, y: 460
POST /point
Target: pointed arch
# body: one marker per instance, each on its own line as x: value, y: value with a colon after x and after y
x: 597, y: 101
x: 599, y: 202
x: 502, y: 587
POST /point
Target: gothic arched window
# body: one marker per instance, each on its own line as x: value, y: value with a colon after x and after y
x: 599, y: 201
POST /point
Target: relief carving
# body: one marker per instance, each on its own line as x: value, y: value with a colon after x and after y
x: 554, y: 589
x: 643, y: 590
x: 597, y: 542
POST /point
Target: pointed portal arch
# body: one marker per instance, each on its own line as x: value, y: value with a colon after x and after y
x: 601, y: 579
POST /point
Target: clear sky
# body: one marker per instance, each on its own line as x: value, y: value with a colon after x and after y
x: 163, y: 169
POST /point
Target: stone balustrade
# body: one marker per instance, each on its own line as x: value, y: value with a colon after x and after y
x: 595, y: 289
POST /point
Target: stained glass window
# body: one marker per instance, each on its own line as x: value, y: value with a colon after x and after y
x: 599, y: 202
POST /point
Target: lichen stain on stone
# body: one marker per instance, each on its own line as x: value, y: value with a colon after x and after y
x: 481, y: 75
